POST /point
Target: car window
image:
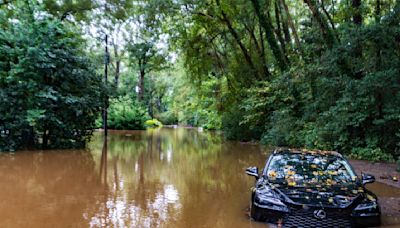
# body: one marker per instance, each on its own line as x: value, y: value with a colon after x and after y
x: 300, y: 169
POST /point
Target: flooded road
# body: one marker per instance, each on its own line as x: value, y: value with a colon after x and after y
x: 158, y: 178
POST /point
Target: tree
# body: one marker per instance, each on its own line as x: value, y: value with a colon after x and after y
x: 146, y: 58
x: 50, y: 91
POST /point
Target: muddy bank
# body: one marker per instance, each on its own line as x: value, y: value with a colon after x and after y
x: 387, y: 189
x: 383, y: 172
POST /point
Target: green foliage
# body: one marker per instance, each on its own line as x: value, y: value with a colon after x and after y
x: 398, y: 164
x: 234, y: 130
x: 370, y: 154
x: 327, y: 105
x: 153, y: 123
x: 49, y: 90
x: 335, y: 85
x: 126, y: 114
x: 297, y: 73
x: 191, y: 104
x: 63, y: 9
x: 168, y: 118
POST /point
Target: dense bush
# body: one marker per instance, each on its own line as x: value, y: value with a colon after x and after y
x: 49, y: 92
x: 371, y: 154
x: 153, y: 123
x: 126, y: 114
x: 337, y: 101
x: 168, y: 118
x: 236, y: 129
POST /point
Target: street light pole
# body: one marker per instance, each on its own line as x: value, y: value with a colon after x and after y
x: 106, y: 59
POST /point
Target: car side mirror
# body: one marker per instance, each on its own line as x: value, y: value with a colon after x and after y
x: 252, y: 171
x: 367, y: 178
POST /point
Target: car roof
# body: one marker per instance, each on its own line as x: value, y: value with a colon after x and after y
x: 305, y: 151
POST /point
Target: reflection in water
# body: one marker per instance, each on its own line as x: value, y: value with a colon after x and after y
x: 47, y: 189
x: 103, y: 162
x: 174, y: 178
x: 161, y: 178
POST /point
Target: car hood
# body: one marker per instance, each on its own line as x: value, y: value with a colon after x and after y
x: 326, y: 196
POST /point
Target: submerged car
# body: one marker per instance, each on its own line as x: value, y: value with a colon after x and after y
x: 299, y: 188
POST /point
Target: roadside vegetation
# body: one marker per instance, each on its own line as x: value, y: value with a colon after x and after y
x: 313, y: 73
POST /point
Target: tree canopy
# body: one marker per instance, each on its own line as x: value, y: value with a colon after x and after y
x: 313, y: 73
x: 50, y: 93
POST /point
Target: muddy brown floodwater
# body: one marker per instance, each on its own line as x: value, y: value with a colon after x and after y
x: 159, y: 178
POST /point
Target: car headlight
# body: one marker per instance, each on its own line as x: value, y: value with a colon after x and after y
x: 266, y: 198
x: 366, y: 209
x: 367, y: 206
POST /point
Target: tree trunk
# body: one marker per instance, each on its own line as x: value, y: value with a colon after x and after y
x: 378, y: 11
x: 327, y: 33
x: 278, y: 30
x: 327, y: 15
x: 262, y: 54
x: 117, y: 65
x: 141, y: 83
x: 357, y: 20
x: 28, y: 138
x: 237, y: 39
x: 269, y: 33
x: 357, y: 17
x: 45, y: 139
x: 291, y: 24
x: 259, y: 50
x: 284, y: 21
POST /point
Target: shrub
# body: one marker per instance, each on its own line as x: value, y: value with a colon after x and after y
x: 126, y: 114
x: 235, y: 129
x: 370, y: 154
x: 50, y: 92
x: 168, y: 118
x: 153, y: 123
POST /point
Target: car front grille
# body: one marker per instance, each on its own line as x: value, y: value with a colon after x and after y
x: 300, y: 217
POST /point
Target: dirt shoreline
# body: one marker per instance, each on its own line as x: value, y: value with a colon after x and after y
x: 383, y: 172
x: 389, y: 190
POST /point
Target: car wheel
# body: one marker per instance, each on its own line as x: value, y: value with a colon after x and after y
x: 254, y: 212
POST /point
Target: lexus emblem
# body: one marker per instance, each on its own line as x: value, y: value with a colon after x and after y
x: 319, y: 214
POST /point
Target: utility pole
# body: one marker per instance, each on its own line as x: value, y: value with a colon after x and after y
x: 106, y: 60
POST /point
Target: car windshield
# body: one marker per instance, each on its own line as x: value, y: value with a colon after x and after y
x: 304, y: 169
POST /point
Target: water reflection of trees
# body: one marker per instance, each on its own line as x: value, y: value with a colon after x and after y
x: 163, y: 178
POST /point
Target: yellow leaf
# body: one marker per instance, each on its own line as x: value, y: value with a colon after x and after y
x: 332, y: 172
x: 371, y: 198
x: 272, y: 173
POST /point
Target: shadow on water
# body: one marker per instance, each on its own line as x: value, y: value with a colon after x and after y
x: 158, y: 178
